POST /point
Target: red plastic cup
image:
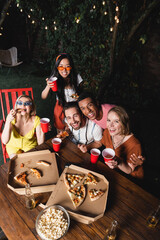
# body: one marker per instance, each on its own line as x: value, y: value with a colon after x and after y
x: 94, y: 155
x: 53, y: 80
x: 56, y: 142
x: 108, y: 154
x: 45, y: 124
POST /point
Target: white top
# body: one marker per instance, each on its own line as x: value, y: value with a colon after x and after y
x: 69, y: 91
x: 89, y: 133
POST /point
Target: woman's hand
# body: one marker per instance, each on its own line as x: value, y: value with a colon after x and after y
x: 11, y: 116
x: 82, y: 147
x: 112, y: 164
x: 50, y: 84
x: 136, y: 161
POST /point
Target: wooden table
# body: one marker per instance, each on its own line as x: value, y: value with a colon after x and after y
x: 127, y: 203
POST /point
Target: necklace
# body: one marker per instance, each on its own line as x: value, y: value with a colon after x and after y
x: 116, y: 145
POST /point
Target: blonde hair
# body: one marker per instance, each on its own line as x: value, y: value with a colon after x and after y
x: 33, y: 110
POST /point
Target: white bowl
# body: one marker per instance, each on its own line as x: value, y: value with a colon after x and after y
x: 47, y: 224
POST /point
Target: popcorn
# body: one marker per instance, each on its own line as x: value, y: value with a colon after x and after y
x: 52, y: 224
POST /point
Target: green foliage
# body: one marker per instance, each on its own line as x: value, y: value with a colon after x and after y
x: 82, y: 28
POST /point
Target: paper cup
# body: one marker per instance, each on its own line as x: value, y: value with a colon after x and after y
x: 56, y: 142
x: 45, y: 124
x: 108, y: 154
x: 54, y: 80
x: 94, y: 154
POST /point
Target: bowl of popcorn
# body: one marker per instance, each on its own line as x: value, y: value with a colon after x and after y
x: 52, y: 222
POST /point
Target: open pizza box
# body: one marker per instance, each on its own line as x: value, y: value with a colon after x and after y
x: 89, y: 211
x: 24, y: 162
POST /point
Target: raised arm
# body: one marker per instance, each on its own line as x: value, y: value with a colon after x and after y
x: 45, y: 92
x: 6, y: 134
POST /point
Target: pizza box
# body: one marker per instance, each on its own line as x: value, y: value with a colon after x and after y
x: 49, y: 177
x: 89, y: 211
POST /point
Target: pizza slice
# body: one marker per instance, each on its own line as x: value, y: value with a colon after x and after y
x: 36, y: 172
x: 21, y: 178
x: 63, y: 134
x: 42, y: 162
x: 90, y: 179
x: 71, y: 180
x: 75, y: 96
x: 77, y: 195
x: 95, y: 194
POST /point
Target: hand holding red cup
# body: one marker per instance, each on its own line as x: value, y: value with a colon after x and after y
x: 94, y: 155
x: 108, y: 154
x: 45, y: 124
x: 56, y: 143
x: 53, y: 83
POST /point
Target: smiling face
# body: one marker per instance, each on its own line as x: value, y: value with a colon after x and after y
x: 88, y: 108
x: 114, y: 124
x: 24, y: 104
x: 73, y: 118
x: 64, y: 68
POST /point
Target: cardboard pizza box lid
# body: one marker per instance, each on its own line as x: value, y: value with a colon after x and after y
x: 89, y: 211
x: 49, y: 177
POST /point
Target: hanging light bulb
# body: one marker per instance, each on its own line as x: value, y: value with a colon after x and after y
x: 46, y: 27
x: 33, y: 22
x: 55, y: 28
x: 117, y: 9
x: 103, y: 3
x: 94, y: 7
x: 21, y: 10
x: 42, y: 18
x: 111, y: 29
x: 29, y: 16
x: 105, y: 13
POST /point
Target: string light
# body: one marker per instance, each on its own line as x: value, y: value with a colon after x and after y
x: 0, y: 34
x: 29, y: 16
x: 8, y: 13
x: 54, y: 22
x: 33, y: 22
x: 21, y: 10
x: 46, y: 27
x: 105, y: 13
x: 42, y: 18
x: 103, y: 3
x: 117, y: 9
x: 94, y: 7
x: 31, y: 10
x: 77, y: 20
x: 117, y: 20
x: 55, y: 28
x: 111, y: 29
x: 17, y: 4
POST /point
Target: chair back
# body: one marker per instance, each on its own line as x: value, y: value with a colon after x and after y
x: 8, y: 98
x: 9, y: 57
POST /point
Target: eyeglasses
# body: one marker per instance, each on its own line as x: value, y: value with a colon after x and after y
x: 24, y: 103
x: 66, y: 68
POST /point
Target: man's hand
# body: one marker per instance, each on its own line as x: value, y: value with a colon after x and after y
x: 82, y: 147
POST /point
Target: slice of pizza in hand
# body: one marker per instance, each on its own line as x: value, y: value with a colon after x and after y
x: 77, y: 195
x: 90, y: 179
x: 21, y: 178
x: 36, y: 172
x: 95, y: 194
x: 71, y: 180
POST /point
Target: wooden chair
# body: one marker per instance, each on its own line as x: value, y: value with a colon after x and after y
x: 8, y: 98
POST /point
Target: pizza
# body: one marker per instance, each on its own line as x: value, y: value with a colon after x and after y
x: 71, y: 180
x: 36, y: 172
x: 42, y: 162
x: 77, y: 195
x: 21, y: 178
x: 90, y: 179
x: 95, y: 194
x: 63, y: 134
x: 75, y: 96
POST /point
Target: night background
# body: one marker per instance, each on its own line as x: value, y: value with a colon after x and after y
x: 115, y: 46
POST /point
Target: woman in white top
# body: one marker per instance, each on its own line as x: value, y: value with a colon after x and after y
x: 69, y: 86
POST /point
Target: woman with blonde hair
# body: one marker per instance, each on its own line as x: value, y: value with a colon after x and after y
x: 22, y: 130
x: 127, y: 148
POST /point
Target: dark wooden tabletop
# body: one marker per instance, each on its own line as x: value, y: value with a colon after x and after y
x: 127, y: 203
